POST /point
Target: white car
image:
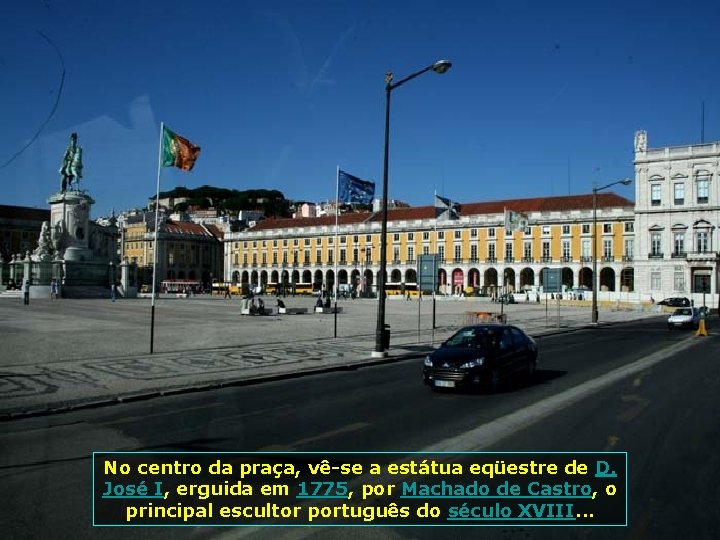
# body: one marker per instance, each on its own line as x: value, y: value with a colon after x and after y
x: 685, y: 317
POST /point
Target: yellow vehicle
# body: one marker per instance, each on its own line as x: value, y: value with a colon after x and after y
x: 303, y: 288
x: 220, y: 287
x: 397, y: 289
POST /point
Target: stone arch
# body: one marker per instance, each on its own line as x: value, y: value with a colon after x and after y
x: 627, y: 279
x: 368, y: 283
x: 317, y: 280
x: 585, y: 277
x: 491, y: 281
x: 355, y: 279
x: 473, y: 278
x: 458, y: 280
x: 607, y: 279
x: 527, y: 278
x: 509, y: 279
x: 442, y: 283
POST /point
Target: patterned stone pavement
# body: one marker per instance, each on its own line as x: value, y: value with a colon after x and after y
x: 97, y: 368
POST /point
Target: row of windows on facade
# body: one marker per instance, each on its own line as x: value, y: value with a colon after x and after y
x: 169, y: 246
x: 702, y: 243
x: 491, y: 253
x: 700, y: 282
x: 702, y: 192
x: 410, y: 236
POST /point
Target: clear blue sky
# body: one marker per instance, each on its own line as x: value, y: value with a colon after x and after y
x: 543, y: 97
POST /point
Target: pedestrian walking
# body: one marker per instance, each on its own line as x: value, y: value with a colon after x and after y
x: 53, y: 290
x: 26, y: 292
x: 112, y: 291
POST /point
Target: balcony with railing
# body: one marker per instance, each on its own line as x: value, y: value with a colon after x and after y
x: 608, y: 258
x: 545, y: 259
x: 491, y: 260
x: 528, y: 260
x: 509, y: 260
x: 678, y: 255
x: 585, y: 259
x: 656, y: 255
x: 627, y: 258
x: 566, y: 259
x: 702, y: 256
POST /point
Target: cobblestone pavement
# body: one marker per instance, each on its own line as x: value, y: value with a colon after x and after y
x: 59, y: 355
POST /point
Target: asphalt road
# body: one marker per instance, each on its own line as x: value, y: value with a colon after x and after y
x: 664, y: 416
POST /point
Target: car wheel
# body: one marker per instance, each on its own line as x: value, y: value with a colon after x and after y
x: 492, y: 381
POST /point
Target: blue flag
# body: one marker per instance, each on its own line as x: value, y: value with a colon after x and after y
x: 353, y: 190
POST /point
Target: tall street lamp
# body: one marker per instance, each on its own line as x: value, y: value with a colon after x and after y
x: 441, y: 66
x: 624, y: 182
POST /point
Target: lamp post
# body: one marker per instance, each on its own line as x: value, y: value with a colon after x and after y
x: 441, y: 66
x: 624, y: 182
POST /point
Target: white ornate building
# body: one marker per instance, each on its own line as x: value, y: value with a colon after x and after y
x: 677, y: 218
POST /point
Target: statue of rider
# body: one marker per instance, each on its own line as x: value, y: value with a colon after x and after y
x: 72, y: 164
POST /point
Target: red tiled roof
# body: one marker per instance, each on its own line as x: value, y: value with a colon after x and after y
x: 215, y: 231
x: 548, y: 204
x: 323, y: 221
x: 185, y: 227
x: 538, y: 204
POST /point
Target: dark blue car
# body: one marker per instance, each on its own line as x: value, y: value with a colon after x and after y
x: 481, y: 357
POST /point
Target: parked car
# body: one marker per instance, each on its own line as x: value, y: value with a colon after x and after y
x: 685, y: 317
x: 481, y: 357
x: 675, y: 302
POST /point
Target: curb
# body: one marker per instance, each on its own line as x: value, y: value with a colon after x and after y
x: 215, y: 385
x: 155, y: 393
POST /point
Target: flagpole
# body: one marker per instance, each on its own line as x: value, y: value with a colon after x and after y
x: 337, y: 213
x: 434, y: 270
x: 155, y: 241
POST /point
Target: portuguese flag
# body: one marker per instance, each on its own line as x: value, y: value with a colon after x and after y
x: 177, y: 151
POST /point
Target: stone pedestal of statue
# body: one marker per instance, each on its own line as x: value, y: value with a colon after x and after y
x: 70, y: 230
x: 69, y: 222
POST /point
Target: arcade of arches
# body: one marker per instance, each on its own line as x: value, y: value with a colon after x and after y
x: 455, y: 281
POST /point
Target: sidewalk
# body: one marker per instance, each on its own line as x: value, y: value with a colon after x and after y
x: 97, y: 368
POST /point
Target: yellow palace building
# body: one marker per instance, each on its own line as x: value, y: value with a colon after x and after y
x: 475, y: 253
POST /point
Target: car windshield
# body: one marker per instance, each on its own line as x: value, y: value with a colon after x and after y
x: 472, y: 337
x: 683, y: 311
